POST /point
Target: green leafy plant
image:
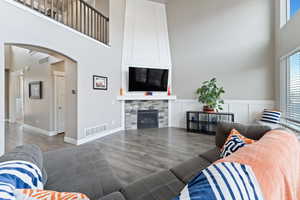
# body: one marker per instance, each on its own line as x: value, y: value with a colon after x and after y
x: 210, y: 94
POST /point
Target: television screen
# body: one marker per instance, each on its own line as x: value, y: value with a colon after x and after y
x: 147, y: 79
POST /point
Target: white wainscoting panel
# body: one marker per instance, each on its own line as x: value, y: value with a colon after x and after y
x: 245, y: 111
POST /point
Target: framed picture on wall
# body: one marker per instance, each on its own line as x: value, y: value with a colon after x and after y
x: 100, y: 82
x: 35, y: 90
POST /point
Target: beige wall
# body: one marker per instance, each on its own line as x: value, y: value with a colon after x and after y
x: 231, y: 40
x: 6, y: 94
x: 37, y: 112
x: 71, y: 99
x: 7, y: 52
x: 289, y: 36
x: 59, y: 67
x: 7, y: 64
x: 102, y: 6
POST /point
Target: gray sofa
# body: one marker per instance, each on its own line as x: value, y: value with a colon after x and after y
x: 79, y: 170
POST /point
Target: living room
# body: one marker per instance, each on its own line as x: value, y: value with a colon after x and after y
x: 147, y: 69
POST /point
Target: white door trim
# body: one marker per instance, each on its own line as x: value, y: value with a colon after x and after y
x: 56, y: 74
x: 13, y: 76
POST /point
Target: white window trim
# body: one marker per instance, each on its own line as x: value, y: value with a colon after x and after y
x: 284, y: 73
x: 288, y: 10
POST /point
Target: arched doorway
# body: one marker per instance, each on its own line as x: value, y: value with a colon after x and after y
x: 40, y: 96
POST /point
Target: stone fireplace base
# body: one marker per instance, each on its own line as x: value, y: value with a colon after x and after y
x: 133, y: 106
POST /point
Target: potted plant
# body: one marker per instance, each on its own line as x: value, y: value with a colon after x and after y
x: 210, y: 95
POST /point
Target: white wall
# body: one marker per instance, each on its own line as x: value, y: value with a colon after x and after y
x: 94, y: 107
x: 146, y: 42
x: 231, y: 40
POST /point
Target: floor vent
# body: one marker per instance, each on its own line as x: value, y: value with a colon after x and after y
x: 95, y: 130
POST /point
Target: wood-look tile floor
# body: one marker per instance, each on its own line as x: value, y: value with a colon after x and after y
x: 132, y: 154
x: 15, y: 135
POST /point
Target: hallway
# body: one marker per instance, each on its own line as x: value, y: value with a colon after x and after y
x: 15, y: 135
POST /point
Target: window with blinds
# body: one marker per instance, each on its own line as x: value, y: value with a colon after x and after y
x: 293, y: 88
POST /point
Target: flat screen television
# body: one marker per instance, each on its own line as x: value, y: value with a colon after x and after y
x: 148, y: 79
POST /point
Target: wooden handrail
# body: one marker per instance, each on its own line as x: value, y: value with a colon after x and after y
x: 76, y: 14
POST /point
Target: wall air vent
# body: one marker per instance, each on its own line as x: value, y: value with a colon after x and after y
x: 44, y: 60
x: 95, y: 130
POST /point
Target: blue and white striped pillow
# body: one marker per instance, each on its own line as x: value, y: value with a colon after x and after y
x: 18, y: 175
x: 271, y: 116
x: 223, y: 181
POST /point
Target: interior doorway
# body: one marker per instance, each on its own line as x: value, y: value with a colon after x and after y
x: 38, y: 83
x: 59, y: 101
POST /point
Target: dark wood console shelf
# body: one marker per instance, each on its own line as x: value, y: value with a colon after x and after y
x: 206, y: 122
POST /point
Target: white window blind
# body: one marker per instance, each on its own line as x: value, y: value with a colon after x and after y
x: 293, y: 88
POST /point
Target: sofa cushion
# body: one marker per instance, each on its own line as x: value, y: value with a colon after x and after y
x: 160, y: 186
x: 30, y: 153
x: 113, y: 196
x: 189, y: 169
x: 212, y: 155
x: 81, y: 169
x: 254, y: 132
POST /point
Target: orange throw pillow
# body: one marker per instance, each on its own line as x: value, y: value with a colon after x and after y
x: 28, y: 194
x: 234, y: 132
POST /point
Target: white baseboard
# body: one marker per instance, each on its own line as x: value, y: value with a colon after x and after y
x: 11, y: 121
x: 91, y: 138
x: 245, y: 111
x: 70, y: 140
x: 39, y: 130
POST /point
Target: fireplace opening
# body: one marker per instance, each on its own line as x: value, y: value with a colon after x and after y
x: 147, y: 119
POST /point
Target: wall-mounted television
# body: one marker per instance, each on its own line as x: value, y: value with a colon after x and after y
x: 148, y: 79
